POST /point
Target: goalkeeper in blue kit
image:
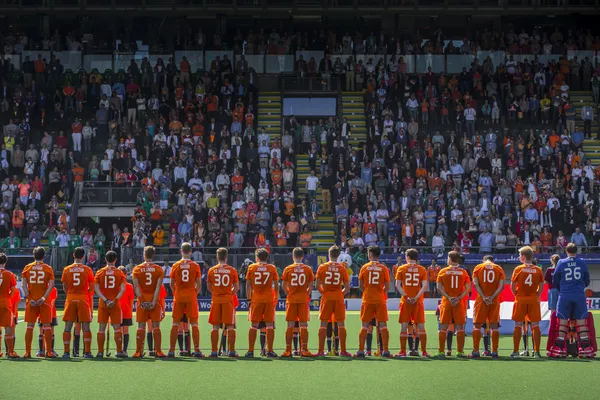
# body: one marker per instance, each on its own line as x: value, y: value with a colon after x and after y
x: 571, y: 278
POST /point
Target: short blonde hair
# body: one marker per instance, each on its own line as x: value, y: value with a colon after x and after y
x: 526, y: 252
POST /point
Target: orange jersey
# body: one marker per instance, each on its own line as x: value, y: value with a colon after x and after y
x: 261, y: 276
x: 184, y: 274
x: 126, y: 301
x: 489, y: 276
x: 38, y: 276
x: 374, y: 275
x: 454, y: 280
x: 299, y: 278
x: 110, y: 280
x: 8, y: 281
x: 412, y: 277
x: 528, y: 279
x: 148, y: 276
x: 78, y: 280
x: 222, y: 278
x: 332, y: 276
x: 15, y: 299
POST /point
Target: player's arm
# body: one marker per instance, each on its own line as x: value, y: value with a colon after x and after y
x: 557, y: 276
x: 65, y: 283
x: 498, y: 290
x: 236, y: 287
x: 586, y: 276
x: 136, y: 288
x: 248, y: 288
x: 276, y: 285
x: 121, y: 292
x: 442, y: 291
x: 398, y: 286
x: 157, y: 291
x: 477, y: 287
x: 285, y: 286
x: 424, y: 288
x: 99, y: 293
x: 198, y: 284
x: 25, y: 286
x: 309, y: 285
x: 91, y: 287
x: 48, y: 290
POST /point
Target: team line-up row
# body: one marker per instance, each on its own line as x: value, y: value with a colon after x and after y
x: 116, y: 298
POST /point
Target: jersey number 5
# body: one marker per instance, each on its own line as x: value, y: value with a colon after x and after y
x: 76, y: 280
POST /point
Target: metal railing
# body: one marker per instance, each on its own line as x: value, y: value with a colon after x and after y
x: 109, y: 193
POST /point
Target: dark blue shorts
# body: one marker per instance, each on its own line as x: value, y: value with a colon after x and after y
x: 571, y: 307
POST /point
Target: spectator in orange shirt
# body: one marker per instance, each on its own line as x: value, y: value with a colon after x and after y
x: 18, y: 218
x: 78, y: 173
x: 184, y: 68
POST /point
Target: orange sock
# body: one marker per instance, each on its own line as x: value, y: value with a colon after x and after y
x: 28, y: 339
x: 100, y: 338
x: 495, y: 340
x: 196, y: 337
x: 214, y: 340
x: 385, y: 338
x: 362, y: 338
x: 460, y: 341
x: 304, y: 338
x: 403, y: 338
x: 289, y: 336
x: 537, y: 337
x: 252, y: 338
x: 140, y: 339
x: 270, y: 338
x: 423, y: 342
x: 476, y: 339
x: 157, y: 335
x: 173, y: 338
x: 517, y: 338
x: 67, y: 341
x: 119, y: 340
x: 342, y: 335
x: 322, y: 337
x: 87, y: 342
x: 231, y: 339
x: 442, y: 340
x: 48, y: 339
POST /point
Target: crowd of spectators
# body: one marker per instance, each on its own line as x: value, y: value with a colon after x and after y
x: 448, y: 161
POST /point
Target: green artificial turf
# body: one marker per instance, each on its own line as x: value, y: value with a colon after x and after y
x: 297, y: 378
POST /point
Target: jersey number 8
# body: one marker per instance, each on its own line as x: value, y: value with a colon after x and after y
x: 222, y: 280
x: 37, y: 277
x: 332, y: 278
x: 298, y: 280
x: 185, y: 275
